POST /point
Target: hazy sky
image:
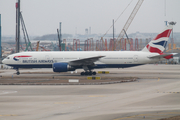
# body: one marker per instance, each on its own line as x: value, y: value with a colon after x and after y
x: 43, y: 16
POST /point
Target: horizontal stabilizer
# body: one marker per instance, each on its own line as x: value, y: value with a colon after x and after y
x: 164, y: 55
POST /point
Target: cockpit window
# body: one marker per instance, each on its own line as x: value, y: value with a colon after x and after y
x: 7, y: 57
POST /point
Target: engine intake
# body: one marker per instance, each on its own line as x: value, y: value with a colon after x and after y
x: 62, y: 67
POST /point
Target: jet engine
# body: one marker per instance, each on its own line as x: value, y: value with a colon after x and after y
x: 62, y: 67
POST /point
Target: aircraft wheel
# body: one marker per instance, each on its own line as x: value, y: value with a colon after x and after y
x: 86, y: 73
x: 82, y: 73
x: 94, y: 73
x: 90, y: 73
x: 18, y: 73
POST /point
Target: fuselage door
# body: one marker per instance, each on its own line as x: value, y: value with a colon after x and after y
x: 47, y: 57
x: 135, y: 58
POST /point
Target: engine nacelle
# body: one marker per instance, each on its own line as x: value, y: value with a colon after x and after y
x: 62, y: 67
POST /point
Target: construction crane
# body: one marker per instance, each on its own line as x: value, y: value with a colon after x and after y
x: 59, y: 38
x: 128, y: 22
x: 44, y: 48
x: 37, y: 47
x: 29, y: 44
x: 26, y: 37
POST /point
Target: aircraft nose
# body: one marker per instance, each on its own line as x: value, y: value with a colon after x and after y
x: 3, y: 61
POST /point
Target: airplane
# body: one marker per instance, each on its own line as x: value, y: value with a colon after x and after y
x: 64, y: 61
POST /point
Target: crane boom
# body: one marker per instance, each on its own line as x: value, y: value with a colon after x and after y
x: 128, y: 22
x: 37, y: 47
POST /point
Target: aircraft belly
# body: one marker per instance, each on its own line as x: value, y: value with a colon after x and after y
x: 115, y: 65
x: 31, y: 65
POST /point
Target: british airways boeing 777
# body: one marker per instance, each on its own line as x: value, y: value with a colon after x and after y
x: 63, y: 61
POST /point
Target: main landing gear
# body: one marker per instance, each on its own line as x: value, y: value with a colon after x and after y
x: 17, y: 71
x: 88, y: 73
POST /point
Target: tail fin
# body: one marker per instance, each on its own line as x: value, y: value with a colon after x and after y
x: 158, y: 44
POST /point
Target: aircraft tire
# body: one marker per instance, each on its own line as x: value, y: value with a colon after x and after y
x: 86, y: 73
x: 90, y: 73
x: 18, y: 73
x: 82, y: 73
x: 94, y: 73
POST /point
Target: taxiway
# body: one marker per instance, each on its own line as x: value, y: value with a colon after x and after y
x: 155, y: 95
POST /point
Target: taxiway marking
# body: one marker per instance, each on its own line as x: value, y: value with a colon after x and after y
x: 7, y: 92
x: 169, y: 92
x: 63, y: 103
x: 97, y: 96
x: 151, y: 116
x: 8, y: 115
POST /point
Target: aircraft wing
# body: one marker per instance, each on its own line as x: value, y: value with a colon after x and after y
x: 165, y: 55
x: 85, y: 61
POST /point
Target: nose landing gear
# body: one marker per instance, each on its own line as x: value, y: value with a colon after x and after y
x: 17, y: 71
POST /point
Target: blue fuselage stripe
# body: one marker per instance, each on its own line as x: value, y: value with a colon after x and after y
x: 97, y: 66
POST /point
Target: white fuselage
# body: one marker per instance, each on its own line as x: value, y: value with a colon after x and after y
x: 110, y: 59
